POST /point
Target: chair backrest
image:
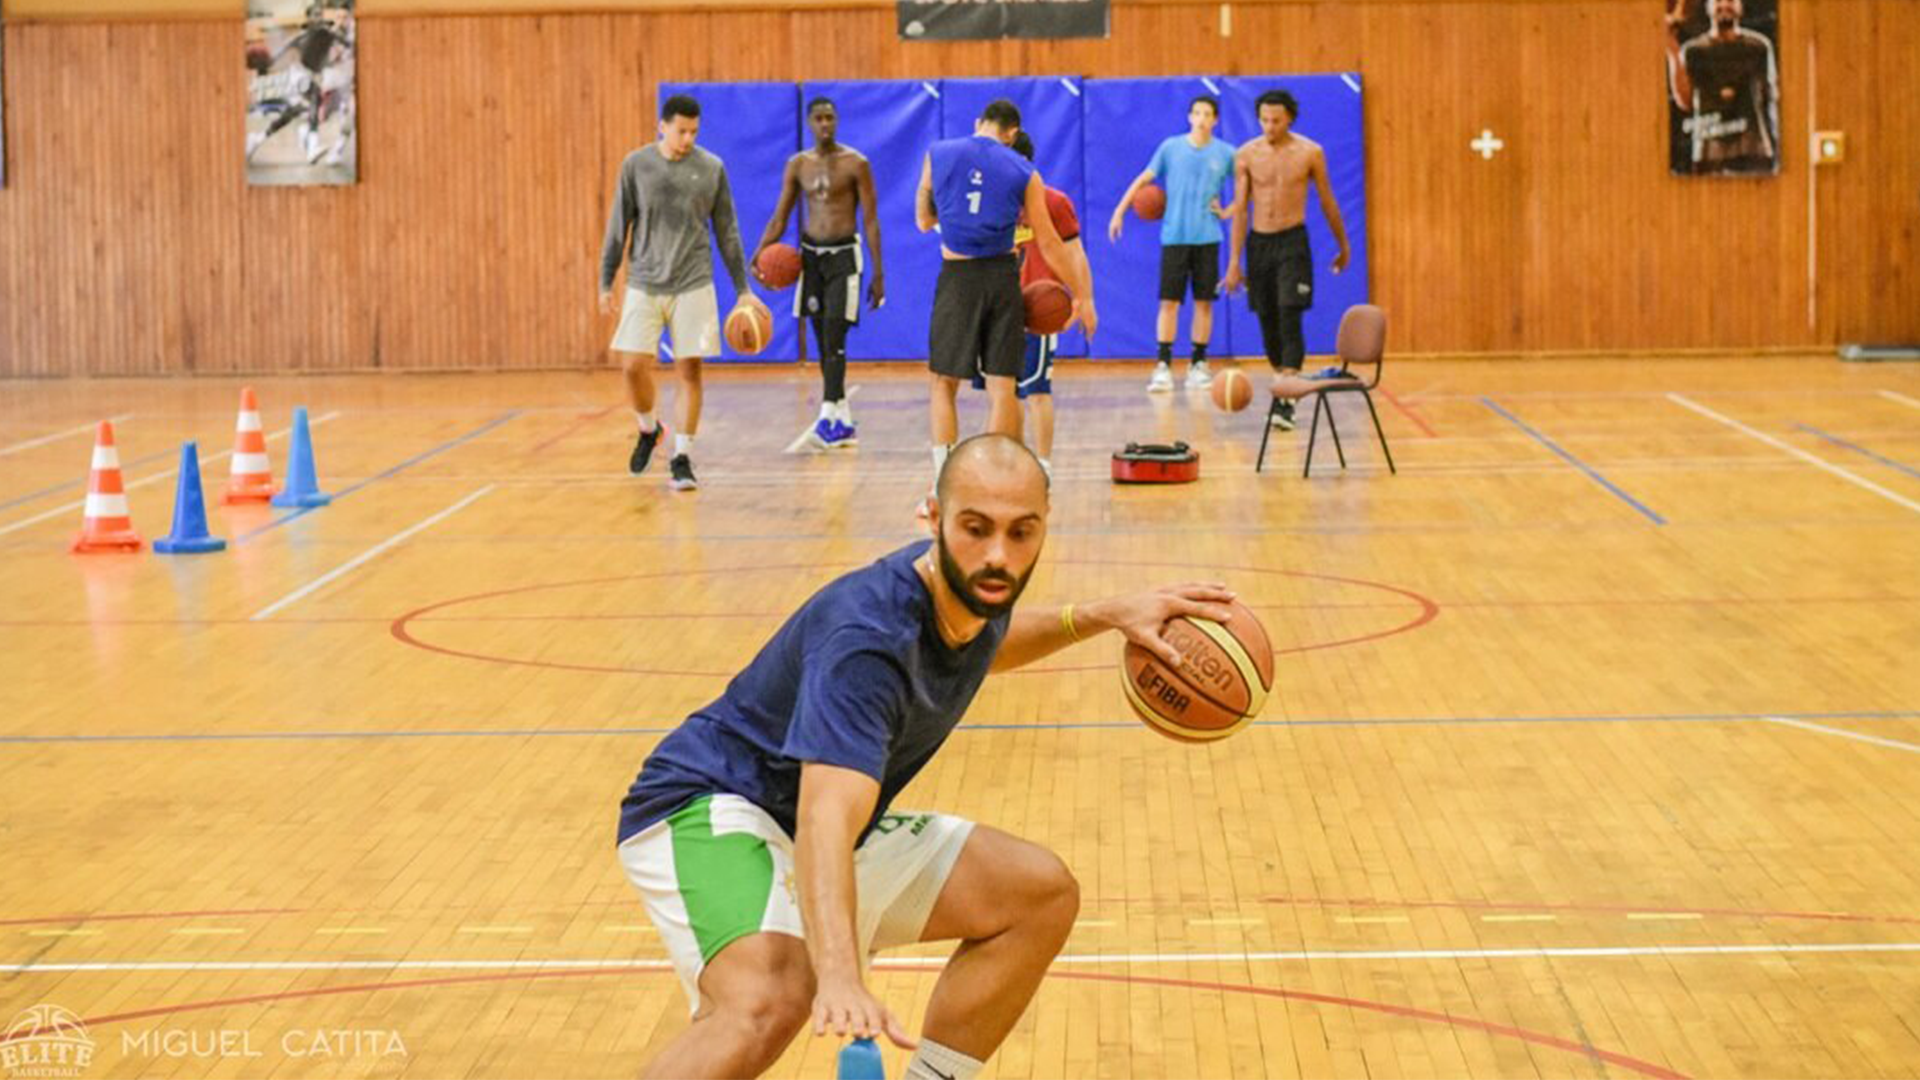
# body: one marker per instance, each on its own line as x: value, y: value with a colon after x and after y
x: 1363, y: 335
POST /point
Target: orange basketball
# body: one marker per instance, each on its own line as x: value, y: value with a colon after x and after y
x: 1222, y: 683
x: 749, y: 327
x: 1231, y: 390
x: 1150, y: 202
x: 779, y: 265
x: 1049, y: 306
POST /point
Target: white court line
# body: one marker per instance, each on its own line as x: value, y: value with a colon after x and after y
x: 1895, y: 395
x: 205, y: 460
x: 58, y: 435
x: 1891, y: 744
x: 1810, y: 459
x: 376, y: 549
x: 1597, y: 952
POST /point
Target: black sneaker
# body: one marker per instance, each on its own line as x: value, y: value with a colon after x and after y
x: 682, y: 478
x: 1282, y: 417
x: 643, y: 449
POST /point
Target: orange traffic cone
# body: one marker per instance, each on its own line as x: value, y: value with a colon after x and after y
x: 107, y: 526
x: 250, y: 477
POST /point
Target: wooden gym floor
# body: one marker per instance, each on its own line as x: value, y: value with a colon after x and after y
x: 1595, y: 752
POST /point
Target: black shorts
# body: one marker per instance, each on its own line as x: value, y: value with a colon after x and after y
x: 1181, y: 263
x: 829, y: 280
x: 979, y: 321
x: 1279, y: 270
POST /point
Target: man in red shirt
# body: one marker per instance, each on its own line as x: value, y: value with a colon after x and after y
x: 1035, y: 386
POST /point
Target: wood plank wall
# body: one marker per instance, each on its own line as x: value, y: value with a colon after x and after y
x: 130, y: 243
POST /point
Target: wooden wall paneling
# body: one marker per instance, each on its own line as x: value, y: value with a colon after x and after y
x: 131, y: 242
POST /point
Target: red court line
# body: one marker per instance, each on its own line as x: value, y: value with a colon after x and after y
x: 1407, y: 411
x: 1488, y: 905
x: 127, y: 916
x: 1643, y: 1068
x: 402, y: 627
x: 581, y: 421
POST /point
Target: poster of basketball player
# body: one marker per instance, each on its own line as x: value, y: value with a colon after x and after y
x: 300, y: 56
x: 1723, y: 87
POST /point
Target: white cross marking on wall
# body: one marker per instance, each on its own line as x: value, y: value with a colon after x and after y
x: 1486, y: 145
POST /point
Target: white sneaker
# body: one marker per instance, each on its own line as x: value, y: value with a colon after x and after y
x: 1162, y: 380
x: 1198, y: 378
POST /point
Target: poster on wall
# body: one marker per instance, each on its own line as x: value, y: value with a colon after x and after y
x: 1723, y: 87
x: 976, y: 20
x: 300, y: 108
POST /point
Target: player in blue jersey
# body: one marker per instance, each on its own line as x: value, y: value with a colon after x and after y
x: 973, y: 190
x: 1194, y: 169
x: 760, y: 833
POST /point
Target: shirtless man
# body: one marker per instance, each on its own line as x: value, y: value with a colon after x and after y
x: 1273, y: 171
x: 838, y: 184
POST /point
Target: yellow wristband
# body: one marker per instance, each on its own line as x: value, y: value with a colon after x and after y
x: 1066, y: 622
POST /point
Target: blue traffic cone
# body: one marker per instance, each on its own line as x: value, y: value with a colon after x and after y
x: 303, y: 487
x: 860, y: 1060
x: 189, y: 535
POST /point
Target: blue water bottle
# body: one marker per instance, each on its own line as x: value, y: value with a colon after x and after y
x: 860, y: 1060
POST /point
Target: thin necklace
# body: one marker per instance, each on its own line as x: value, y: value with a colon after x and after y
x: 946, y: 632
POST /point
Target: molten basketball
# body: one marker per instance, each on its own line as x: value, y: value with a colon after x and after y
x: 1049, y: 306
x: 779, y: 265
x: 749, y: 327
x: 1222, y: 683
x: 1231, y: 390
x: 1150, y: 202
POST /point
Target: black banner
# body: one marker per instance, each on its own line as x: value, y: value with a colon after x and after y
x: 976, y: 20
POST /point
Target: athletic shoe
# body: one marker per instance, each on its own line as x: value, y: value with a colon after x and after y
x: 1331, y: 373
x: 643, y: 449
x: 682, y: 478
x: 1162, y: 381
x: 814, y: 439
x: 1282, y: 418
x: 1198, y: 378
x: 840, y: 435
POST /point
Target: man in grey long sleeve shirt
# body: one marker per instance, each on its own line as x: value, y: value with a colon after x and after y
x: 666, y: 196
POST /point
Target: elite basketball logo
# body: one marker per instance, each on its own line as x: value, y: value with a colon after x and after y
x: 45, y: 1041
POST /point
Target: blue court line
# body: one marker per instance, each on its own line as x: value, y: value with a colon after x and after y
x: 1838, y: 441
x: 667, y: 726
x: 135, y: 463
x: 375, y: 478
x: 1575, y: 462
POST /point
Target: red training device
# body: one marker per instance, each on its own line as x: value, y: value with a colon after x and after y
x: 779, y: 265
x: 1156, y: 464
x: 1049, y: 307
x: 1150, y: 202
x: 749, y: 328
x: 1220, y: 685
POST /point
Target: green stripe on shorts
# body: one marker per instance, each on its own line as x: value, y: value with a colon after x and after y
x: 725, y: 881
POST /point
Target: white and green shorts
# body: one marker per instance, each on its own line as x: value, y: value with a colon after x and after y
x: 720, y: 868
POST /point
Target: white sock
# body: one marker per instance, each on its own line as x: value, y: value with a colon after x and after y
x: 940, y: 452
x: 682, y: 445
x: 935, y: 1062
x: 647, y: 422
x: 844, y: 410
x: 1046, y: 466
x: 828, y: 412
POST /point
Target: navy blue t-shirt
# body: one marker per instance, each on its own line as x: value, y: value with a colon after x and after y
x: 858, y: 678
x: 979, y: 189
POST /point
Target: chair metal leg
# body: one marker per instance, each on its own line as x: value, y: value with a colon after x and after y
x: 1335, y: 429
x: 1313, y: 435
x: 1378, y: 430
x: 1266, y: 432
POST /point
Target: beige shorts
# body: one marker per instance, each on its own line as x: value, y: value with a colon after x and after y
x: 720, y: 868
x: 691, y: 319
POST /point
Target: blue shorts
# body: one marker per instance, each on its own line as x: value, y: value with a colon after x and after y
x: 1036, y: 372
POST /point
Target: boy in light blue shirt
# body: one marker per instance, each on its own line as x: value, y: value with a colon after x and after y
x: 1194, y: 169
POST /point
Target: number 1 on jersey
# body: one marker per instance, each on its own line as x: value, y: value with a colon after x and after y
x: 973, y: 202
